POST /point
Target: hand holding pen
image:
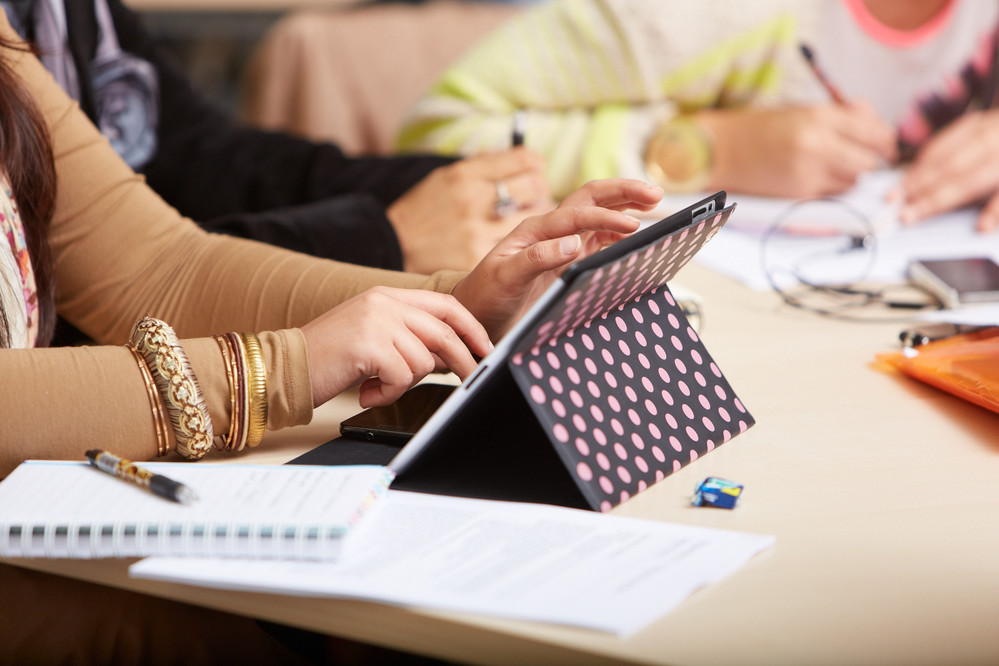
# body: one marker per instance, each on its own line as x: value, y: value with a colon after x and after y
x: 505, y: 203
x: 458, y: 213
x: 890, y: 154
x: 848, y: 137
x: 820, y: 75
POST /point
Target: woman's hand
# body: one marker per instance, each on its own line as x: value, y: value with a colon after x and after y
x: 957, y: 167
x: 450, y: 218
x: 518, y: 270
x: 796, y: 152
x: 387, y: 340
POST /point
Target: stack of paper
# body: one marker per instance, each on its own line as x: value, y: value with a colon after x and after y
x: 509, y: 559
x: 291, y: 530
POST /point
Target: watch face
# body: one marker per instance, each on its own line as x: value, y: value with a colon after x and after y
x: 680, y: 156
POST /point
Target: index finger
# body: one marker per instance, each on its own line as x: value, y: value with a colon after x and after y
x: 571, y: 220
x: 616, y: 194
x: 449, y: 311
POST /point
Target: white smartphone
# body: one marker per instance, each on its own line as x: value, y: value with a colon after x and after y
x: 957, y: 282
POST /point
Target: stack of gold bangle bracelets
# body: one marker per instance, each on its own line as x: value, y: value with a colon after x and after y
x: 168, y: 373
x: 247, y: 378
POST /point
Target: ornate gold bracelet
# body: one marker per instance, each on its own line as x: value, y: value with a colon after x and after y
x: 256, y: 383
x: 177, y: 386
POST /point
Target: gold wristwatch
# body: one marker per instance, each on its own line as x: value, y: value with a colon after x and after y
x: 678, y: 157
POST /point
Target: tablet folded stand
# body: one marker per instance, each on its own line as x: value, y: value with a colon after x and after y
x: 611, y: 393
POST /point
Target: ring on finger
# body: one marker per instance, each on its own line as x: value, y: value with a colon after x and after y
x: 505, y: 204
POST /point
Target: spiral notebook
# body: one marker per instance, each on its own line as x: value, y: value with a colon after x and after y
x: 69, y: 509
x: 601, y: 390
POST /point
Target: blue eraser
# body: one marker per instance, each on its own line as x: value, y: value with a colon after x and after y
x: 716, y: 492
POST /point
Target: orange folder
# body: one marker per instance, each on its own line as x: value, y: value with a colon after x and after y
x: 966, y: 365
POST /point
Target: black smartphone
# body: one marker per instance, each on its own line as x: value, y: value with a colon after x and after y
x: 957, y: 282
x: 398, y: 422
x: 931, y: 332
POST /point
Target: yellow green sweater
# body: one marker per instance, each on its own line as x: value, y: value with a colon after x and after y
x: 596, y: 76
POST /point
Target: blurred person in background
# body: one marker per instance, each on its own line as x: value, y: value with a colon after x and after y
x: 720, y: 95
x: 415, y: 213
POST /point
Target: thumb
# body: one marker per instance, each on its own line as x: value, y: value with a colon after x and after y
x: 543, y: 256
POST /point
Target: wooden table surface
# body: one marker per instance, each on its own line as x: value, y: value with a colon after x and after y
x: 881, y: 492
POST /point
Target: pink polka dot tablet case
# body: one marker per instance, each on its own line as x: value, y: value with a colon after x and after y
x: 602, y: 390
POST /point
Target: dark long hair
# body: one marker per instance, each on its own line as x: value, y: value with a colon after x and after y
x: 26, y: 156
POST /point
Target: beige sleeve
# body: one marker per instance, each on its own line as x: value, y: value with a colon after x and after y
x: 120, y: 253
x: 59, y: 402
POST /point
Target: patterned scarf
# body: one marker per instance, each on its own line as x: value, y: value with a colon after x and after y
x: 18, y: 293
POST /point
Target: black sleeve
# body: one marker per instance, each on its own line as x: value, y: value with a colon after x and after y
x: 209, y: 167
x: 325, y: 228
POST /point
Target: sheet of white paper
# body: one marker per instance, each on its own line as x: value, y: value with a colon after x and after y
x: 980, y: 315
x: 821, y: 232
x: 831, y: 260
x: 871, y: 209
x: 526, y: 561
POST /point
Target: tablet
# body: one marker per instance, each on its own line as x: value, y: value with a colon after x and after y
x: 601, y: 390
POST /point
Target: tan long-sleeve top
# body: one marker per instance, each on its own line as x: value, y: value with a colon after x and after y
x: 119, y: 253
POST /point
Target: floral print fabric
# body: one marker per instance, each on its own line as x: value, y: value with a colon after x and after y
x: 18, y: 294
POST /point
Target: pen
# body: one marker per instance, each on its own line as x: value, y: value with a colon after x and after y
x: 127, y: 470
x: 821, y: 76
x: 519, y: 121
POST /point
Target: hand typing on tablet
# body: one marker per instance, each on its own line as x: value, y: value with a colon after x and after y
x: 525, y: 263
x: 386, y: 340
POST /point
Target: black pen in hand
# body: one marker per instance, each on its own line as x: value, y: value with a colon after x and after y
x: 833, y: 91
x: 517, y: 134
x: 127, y: 470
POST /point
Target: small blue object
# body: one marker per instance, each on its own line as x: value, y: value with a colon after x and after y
x: 716, y: 492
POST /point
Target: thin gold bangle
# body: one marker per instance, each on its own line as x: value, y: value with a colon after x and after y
x: 239, y: 356
x: 235, y: 440
x: 177, y: 386
x: 159, y: 417
x: 256, y: 383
